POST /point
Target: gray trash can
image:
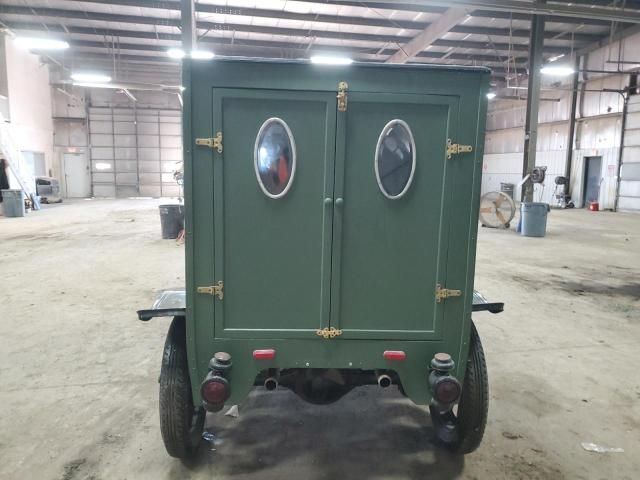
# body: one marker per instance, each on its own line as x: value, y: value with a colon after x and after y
x: 533, y: 219
x: 13, y: 203
x: 507, y: 188
x: 171, y: 220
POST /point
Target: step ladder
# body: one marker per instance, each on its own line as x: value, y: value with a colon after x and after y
x: 15, y: 159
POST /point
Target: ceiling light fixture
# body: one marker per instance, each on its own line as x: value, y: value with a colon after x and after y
x: 175, y: 53
x: 90, y: 77
x: 557, y: 57
x: 35, y: 43
x: 94, y: 85
x: 329, y: 60
x: 557, y: 70
x: 202, y: 54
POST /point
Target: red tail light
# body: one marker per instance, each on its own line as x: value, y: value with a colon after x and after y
x: 447, y: 390
x: 215, y: 391
x: 268, y: 354
x: 394, y: 355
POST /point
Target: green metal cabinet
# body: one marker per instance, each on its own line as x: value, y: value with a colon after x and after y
x: 313, y: 258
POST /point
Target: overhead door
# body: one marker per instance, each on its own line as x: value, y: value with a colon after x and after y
x: 134, y: 151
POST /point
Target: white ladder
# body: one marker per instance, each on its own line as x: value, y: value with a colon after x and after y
x: 15, y: 159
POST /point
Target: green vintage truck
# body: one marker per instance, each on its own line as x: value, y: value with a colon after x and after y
x: 331, y: 221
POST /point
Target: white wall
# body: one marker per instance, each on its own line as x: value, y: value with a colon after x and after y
x: 29, y: 102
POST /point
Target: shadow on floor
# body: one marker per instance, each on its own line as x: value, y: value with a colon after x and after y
x: 369, y: 433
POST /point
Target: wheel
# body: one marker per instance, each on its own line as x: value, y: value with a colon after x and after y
x: 181, y: 424
x: 462, y: 430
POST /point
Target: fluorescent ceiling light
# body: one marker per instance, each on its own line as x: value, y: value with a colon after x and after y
x: 202, y: 55
x: 557, y: 57
x: 175, y: 53
x: 557, y: 70
x: 328, y: 60
x: 90, y: 77
x: 94, y: 84
x: 491, y: 95
x: 34, y: 43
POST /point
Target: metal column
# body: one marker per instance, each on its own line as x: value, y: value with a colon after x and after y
x: 188, y: 22
x: 572, y: 120
x: 536, y: 44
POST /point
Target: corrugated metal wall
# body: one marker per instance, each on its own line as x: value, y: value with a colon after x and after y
x: 597, y: 133
x: 630, y: 170
x: 134, y: 151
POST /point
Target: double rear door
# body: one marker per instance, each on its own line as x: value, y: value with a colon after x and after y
x: 326, y: 218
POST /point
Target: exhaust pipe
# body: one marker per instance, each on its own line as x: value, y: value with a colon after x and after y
x: 384, y: 381
x: 271, y: 383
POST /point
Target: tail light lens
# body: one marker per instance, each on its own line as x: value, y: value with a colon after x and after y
x: 397, y: 355
x: 268, y: 354
x: 447, y: 390
x: 215, y: 391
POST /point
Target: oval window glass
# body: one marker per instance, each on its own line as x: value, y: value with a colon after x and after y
x: 395, y: 159
x: 275, y: 157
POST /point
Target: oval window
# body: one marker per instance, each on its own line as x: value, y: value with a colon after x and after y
x: 275, y: 157
x: 395, y: 159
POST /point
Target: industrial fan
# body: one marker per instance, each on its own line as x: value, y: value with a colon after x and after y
x: 497, y: 209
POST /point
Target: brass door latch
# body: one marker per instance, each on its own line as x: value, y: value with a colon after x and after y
x: 327, y: 332
x: 444, y: 293
x: 342, y: 96
x: 215, y: 290
x: 455, y: 149
x: 214, y: 142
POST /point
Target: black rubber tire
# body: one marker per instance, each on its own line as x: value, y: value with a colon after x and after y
x: 462, y: 431
x: 181, y: 424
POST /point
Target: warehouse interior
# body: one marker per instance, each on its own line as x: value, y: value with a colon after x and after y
x: 91, y: 103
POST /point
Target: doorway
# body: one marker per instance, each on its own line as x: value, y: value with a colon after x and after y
x: 77, y: 175
x: 592, y: 179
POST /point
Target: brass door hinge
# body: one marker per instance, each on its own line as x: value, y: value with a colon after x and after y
x: 342, y: 96
x: 455, y: 149
x: 215, y: 290
x: 329, y: 332
x: 214, y: 142
x: 444, y: 293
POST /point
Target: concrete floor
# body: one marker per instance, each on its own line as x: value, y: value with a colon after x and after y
x: 78, y: 372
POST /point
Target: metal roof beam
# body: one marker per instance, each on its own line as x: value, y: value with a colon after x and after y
x: 339, y: 20
x: 266, y: 13
x: 420, y: 7
x: 561, y: 9
x: 174, y: 37
x: 297, y: 51
x: 145, y: 20
x: 433, y: 32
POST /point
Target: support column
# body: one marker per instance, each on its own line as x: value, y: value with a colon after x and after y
x: 188, y: 22
x: 572, y: 120
x: 536, y: 44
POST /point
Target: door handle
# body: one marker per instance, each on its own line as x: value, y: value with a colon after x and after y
x: 339, y: 202
x: 328, y: 201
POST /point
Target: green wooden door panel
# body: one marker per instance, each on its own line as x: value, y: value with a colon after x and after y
x: 273, y: 254
x: 388, y: 254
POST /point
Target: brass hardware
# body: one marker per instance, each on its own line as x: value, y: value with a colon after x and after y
x: 444, y: 293
x: 215, y: 142
x: 215, y: 290
x: 329, y: 332
x: 455, y: 149
x: 342, y: 96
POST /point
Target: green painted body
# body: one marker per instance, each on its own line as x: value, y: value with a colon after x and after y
x: 365, y: 263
